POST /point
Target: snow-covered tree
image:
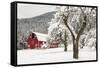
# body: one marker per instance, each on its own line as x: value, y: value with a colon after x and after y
x: 57, y: 31
x: 90, y: 30
x: 79, y: 21
x: 54, y: 32
x: 64, y: 40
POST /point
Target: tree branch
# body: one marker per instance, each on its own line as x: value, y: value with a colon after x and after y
x: 83, y: 25
x: 66, y: 24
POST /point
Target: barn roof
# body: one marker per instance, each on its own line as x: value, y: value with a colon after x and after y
x: 41, y: 36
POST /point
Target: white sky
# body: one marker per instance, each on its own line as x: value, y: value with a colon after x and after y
x: 31, y: 10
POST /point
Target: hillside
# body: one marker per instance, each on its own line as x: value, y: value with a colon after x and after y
x: 37, y: 24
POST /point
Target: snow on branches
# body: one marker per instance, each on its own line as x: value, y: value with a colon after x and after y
x: 76, y: 18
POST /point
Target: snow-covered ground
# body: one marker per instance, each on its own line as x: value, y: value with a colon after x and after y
x: 34, y: 56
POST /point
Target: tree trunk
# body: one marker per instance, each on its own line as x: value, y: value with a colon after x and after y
x: 76, y: 41
x: 65, y: 48
x: 65, y: 42
x: 75, y: 49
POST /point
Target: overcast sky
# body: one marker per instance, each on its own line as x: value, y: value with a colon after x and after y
x: 31, y: 10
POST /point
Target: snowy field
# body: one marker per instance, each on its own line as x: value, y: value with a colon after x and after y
x: 34, y: 56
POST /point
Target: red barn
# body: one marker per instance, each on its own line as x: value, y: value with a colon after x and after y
x: 32, y: 41
x: 36, y: 40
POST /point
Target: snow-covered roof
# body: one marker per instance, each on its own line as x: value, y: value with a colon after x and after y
x: 41, y: 36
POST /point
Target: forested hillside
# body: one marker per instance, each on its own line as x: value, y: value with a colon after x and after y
x: 35, y: 24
